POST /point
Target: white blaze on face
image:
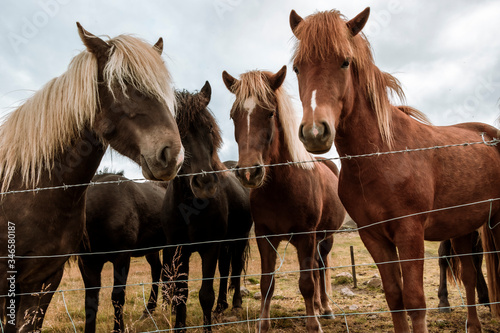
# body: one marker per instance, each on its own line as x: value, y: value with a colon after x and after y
x: 313, y: 108
x: 249, y: 106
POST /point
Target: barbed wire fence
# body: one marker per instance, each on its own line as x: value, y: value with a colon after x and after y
x: 281, y: 258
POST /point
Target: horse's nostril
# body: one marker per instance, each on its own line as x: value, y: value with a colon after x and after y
x: 326, y: 129
x: 164, y: 156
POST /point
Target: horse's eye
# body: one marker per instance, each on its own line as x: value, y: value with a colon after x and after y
x: 272, y: 113
x: 296, y: 70
x: 346, y: 63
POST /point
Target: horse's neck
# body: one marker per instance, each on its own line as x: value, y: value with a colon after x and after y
x: 358, y: 132
x: 279, y: 153
x: 78, y: 164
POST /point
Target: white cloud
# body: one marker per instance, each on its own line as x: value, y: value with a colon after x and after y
x: 441, y: 51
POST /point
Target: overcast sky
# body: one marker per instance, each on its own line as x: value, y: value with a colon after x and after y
x: 446, y: 53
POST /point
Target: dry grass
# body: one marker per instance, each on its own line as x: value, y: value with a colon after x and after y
x: 287, y: 300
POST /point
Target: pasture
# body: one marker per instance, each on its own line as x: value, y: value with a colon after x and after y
x: 371, y: 313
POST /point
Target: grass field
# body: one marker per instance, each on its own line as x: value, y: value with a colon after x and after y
x: 370, y: 314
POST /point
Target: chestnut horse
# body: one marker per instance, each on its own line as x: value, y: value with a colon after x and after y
x: 345, y: 99
x: 300, y: 198
x: 117, y: 92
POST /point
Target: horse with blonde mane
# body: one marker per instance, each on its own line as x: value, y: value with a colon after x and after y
x: 117, y: 92
x: 300, y: 198
x: 397, y: 200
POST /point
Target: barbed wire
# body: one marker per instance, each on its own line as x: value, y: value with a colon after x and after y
x: 492, y: 142
x: 344, y: 314
x: 451, y: 256
x: 254, y: 320
x: 160, y: 247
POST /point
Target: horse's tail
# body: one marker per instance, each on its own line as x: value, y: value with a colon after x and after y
x: 493, y: 268
x: 454, y: 270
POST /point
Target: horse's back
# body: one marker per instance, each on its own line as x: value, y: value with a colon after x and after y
x: 123, y: 214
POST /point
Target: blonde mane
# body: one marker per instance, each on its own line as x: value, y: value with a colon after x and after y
x: 324, y: 34
x: 255, y: 84
x: 41, y: 129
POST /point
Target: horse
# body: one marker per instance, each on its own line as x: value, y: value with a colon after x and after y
x: 208, y: 208
x: 300, y: 198
x: 452, y: 264
x: 122, y: 218
x: 397, y: 199
x: 117, y: 92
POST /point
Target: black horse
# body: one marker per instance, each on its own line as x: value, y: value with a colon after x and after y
x: 444, y: 250
x: 204, y: 208
x: 123, y: 216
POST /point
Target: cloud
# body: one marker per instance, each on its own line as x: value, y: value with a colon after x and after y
x: 444, y: 54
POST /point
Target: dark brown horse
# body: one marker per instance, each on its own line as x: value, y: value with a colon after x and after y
x: 208, y: 208
x: 118, y: 93
x: 449, y: 269
x: 345, y: 99
x: 301, y: 198
x: 120, y: 217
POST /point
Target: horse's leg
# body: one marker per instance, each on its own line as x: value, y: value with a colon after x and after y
x: 306, y: 248
x: 91, y: 275
x: 237, y: 266
x: 383, y: 250
x: 325, y: 276
x: 209, y: 258
x: 481, y: 286
x: 224, y: 262
x: 268, y: 265
x: 121, y: 268
x: 444, y: 250
x: 180, y: 289
x: 33, y: 307
x: 463, y: 245
x: 318, y: 309
x: 155, y: 264
x: 409, y: 239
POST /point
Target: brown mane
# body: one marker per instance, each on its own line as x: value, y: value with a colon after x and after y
x: 324, y: 34
x: 192, y: 112
x: 255, y: 84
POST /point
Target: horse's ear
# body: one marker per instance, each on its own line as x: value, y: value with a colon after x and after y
x: 356, y: 24
x: 93, y: 43
x: 229, y: 81
x: 206, y: 92
x: 295, y: 20
x: 276, y: 80
x: 159, y: 45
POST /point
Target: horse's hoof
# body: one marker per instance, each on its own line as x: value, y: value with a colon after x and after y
x: 328, y: 315
x: 236, y: 310
x: 445, y: 310
x: 220, y: 308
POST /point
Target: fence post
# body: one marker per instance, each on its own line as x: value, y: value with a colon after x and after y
x: 353, y: 267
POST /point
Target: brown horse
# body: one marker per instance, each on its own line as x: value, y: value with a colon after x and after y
x: 345, y: 98
x: 300, y: 198
x: 117, y: 92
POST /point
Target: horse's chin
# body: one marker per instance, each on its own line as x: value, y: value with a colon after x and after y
x: 164, y: 175
x: 251, y: 184
x: 209, y: 192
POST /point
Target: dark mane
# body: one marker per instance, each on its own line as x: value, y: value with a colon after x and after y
x: 192, y: 113
x: 191, y: 110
